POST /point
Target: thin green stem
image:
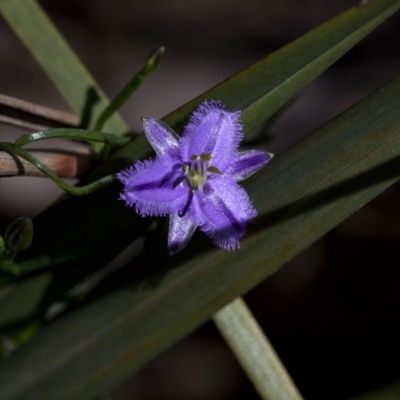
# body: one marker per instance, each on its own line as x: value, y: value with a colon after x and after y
x: 77, y: 191
x: 254, y: 352
x: 152, y: 63
x: 72, y: 134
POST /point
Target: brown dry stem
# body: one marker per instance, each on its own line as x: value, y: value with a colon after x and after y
x: 33, y: 116
x: 64, y: 164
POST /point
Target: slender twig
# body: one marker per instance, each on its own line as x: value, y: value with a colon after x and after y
x: 254, y: 352
x: 18, y: 112
x: 19, y: 123
x: 64, y: 164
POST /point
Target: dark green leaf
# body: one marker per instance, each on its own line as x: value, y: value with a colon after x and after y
x: 391, y: 392
x: 259, y: 91
x: 20, y: 302
x: 301, y: 195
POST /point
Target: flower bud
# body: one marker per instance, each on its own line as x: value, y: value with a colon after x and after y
x: 19, y: 234
x: 154, y: 60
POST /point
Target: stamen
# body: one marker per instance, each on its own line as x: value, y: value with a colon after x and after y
x: 205, y: 157
x: 214, y: 170
x: 201, y: 193
x: 197, y: 170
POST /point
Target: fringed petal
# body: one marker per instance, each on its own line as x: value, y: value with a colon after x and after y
x: 193, y: 178
x: 155, y: 187
x: 161, y: 137
x: 249, y: 163
x: 223, y: 212
x: 181, y: 229
x: 215, y: 131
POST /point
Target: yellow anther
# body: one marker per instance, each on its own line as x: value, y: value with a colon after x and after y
x: 205, y: 157
x: 214, y: 170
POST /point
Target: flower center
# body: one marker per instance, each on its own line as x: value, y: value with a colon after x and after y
x: 197, y: 170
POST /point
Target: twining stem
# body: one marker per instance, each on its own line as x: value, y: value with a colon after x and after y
x: 254, y: 352
x: 14, y: 160
x: 72, y: 134
x: 75, y: 190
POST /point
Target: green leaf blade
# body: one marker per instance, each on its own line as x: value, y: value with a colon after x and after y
x: 122, y: 331
x: 254, y: 90
x: 60, y: 63
x: 91, y: 349
x: 264, y: 87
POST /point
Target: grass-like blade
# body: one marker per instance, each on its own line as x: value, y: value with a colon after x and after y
x: 391, y: 392
x: 60, y: 63
x: 304, y: 193
x: 125, y: 330
x: 259, y: 91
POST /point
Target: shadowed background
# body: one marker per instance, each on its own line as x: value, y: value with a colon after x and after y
x: 333, y: 326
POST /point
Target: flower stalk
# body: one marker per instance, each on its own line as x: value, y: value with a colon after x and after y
x: 254, y: 352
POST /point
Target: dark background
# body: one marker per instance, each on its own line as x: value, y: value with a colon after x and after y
x: 332, y: 312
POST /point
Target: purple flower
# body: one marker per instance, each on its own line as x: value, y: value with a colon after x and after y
x: 194, y: 178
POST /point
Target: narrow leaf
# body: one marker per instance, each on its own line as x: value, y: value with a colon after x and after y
x: 259, y: 91
x: 50, y: 50
x: 130, y: 326
x: 304, y: 193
